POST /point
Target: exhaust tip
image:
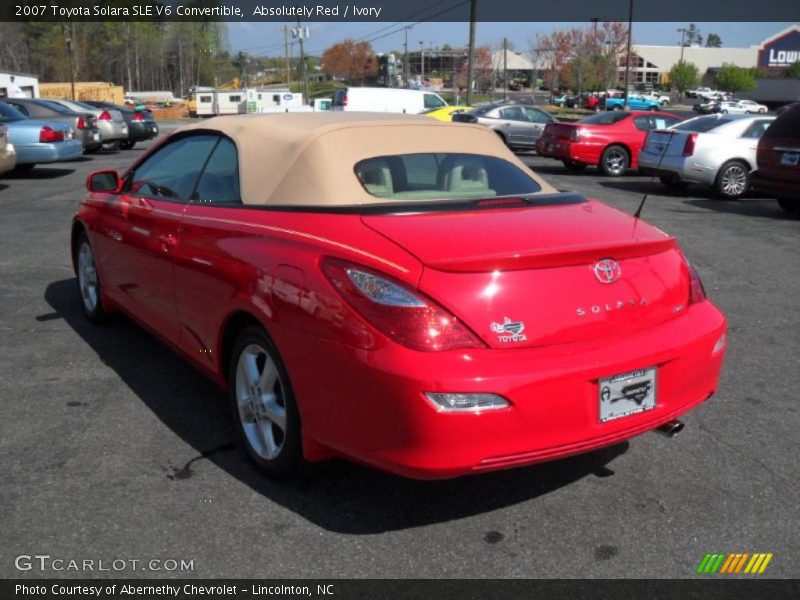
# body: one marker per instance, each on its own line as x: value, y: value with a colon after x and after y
x: 671, y: 428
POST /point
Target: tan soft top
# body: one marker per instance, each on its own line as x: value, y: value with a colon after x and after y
x: 308, y: 159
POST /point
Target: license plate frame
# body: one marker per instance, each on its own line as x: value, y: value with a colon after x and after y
x: 627, y: 394
x: 790, y: 159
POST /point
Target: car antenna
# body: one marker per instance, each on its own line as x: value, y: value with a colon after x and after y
x: 649, y: 189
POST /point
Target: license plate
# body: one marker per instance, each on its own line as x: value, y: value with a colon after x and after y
x: 790, y: 159
x: 627, y: 394
x: 549, y: 147
x: 96, y: 137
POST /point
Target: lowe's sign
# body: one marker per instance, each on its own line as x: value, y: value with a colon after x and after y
x: 781, y: 50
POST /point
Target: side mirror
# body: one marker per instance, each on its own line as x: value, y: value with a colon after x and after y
x: 103, y: 181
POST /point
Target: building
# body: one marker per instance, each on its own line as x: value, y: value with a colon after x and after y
x: 28, y: 83
x: 652, y: 64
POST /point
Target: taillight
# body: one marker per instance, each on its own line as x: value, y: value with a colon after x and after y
x: 48, y: 136
x: 688, y: 147
x: 105, y: 116
x: 697, y: 293
x: 344, y: 100
x: 397, y: 311
x: 500, y: 202
x: 82, y: 123
x: 138, y: 116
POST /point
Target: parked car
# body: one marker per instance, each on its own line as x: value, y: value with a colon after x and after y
x: 707, y: 107
x: 634, y: 103
x: 610, y: 140
x: 778, y: 160
x: 714, y: 150
x: 416, y: 298
x: 37, y: 141
x: 83, y: 124
x: 699, y: 92
x: 733, y: 107
x: 518, y: 125
x: 752, y: 107
x: 112, y: 126
x: 8, y: 156
x: 391, y: 100
x: 662, y: 99
x: 782, y: 109
x: 445, y: 113
x: 141, y: 124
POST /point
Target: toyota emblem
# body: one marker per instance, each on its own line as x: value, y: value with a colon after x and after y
x: 607, y: 270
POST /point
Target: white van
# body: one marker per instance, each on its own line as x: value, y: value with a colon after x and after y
x: 390, y: 100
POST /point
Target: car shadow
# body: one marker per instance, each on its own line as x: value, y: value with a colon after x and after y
x: 339, y: 496
x: 3, y: 186
x: 39, y: 173
x: 754, y: 203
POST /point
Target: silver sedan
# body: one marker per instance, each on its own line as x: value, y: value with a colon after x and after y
x: 110, y: 122
x: 714, y: 150
x: 519, y: 125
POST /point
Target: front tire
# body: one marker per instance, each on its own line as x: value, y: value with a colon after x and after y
x: 263, y: 405
x: 89, y: 289
x: 614, y: 161
x: 127, y: 145
x: 733, y: 180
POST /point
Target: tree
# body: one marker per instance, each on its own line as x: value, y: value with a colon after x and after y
x: 735, y: 79
x: 792, y: 71
x: 684, y: 75
x: 354, y: 61
x: 713, y: 41
x: 693, y: 35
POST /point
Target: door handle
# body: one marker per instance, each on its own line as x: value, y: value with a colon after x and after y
x: 167, y: 242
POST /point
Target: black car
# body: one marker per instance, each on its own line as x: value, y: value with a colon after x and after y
x: 141, y: 124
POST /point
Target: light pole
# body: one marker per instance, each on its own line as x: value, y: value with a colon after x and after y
x: 406, y: 65
x: 628, y: 55
x: 421, y: 61
x: 682, y: 31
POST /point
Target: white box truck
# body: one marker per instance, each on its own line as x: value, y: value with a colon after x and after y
x: 390, y: 100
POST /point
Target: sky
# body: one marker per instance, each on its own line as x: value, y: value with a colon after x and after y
x: 267, y: 38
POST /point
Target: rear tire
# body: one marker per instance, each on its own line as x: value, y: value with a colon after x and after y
x: 616, y: 107
x: 127, y: 145
x: 614, y: 161
x: 89, y: 289
x: 264, y: 410
x: 733, y: 180
x: 673, y: 182
x: 574, y: 166
x: 791, y: 206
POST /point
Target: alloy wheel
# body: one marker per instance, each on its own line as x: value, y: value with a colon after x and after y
x: 616, y: 160
x: 734, y: 181
x: 260, y: 400
x: 87, y: 277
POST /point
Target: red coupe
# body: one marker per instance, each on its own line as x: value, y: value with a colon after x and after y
x: 397, y: 290
x: 610, y: 140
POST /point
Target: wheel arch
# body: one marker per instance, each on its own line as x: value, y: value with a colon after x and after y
x: 77, y: 229
x: 232, y: 326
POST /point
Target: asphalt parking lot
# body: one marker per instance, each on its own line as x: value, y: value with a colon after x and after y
x: 111, y: 447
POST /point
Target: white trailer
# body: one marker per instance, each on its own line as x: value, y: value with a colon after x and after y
x: 24, y: 83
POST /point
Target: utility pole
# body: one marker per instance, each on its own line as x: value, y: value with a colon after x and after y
x: 286, y: 52
x: 406, y: 70
x: 682, y: 31
x: 422, y: 62
x: 628, y: 56
x: 301, y: 34
x: 505, y: 69
x: 473, y: 15
x: 70, y: 50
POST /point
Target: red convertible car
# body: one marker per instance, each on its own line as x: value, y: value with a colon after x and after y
x: 399, y: 291
x: 610, y: 140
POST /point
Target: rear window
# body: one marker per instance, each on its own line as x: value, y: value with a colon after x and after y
x: 442, y: 176
x: 785, y: 126
x: 9, y: 114
x: 55, y: 106
x: 702, y: 124
x: 605, y: 118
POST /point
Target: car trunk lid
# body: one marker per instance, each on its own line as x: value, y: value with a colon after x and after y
x: 522, y: 277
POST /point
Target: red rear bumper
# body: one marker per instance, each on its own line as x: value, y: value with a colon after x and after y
x: 566, y: 150
x: 370, y: 406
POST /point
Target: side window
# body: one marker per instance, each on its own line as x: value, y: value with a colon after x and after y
x: 205, y: 99
x: 513, y: 113
x: 642, y: 123
x: 756, y: 130
x: 537, y: 116
x: 23, y: 109
x: 219, y: 183
x: 663, y: 122
x: 433, y: 101
x: 172, y: 171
